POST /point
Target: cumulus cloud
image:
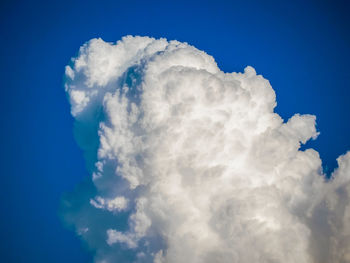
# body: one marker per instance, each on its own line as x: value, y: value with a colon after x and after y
x: 191, y: 164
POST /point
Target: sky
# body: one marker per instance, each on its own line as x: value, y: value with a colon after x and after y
x: 301, y: 47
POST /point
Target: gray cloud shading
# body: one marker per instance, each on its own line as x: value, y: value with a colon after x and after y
x: 191, y: 164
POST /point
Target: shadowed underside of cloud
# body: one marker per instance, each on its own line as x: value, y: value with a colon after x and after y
x: 191, y: 164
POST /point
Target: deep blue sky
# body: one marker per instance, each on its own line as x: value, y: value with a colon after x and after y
x: 302, y: 47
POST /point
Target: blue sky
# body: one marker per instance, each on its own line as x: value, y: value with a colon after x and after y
x: 301, y: 47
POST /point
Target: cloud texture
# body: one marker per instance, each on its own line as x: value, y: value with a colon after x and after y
x: 191, y: 164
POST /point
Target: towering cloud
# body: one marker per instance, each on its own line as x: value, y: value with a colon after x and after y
x: 191, y: 164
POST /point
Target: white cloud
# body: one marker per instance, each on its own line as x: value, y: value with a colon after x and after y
x: 114, y: 236
x: 116, y: 204
x: 193, y: 165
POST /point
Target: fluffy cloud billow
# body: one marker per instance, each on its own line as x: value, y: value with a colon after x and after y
x: 191, y: 164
